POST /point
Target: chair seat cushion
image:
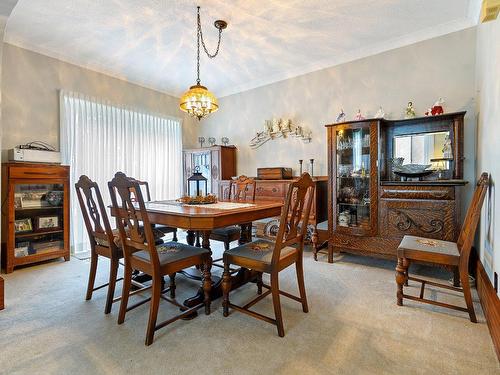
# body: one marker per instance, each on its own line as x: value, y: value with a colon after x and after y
x: 164, y: 229
x: 227, y: 231
x: 259, y: 250
x: 158, y: 235
x: 427, y: 249
x: 170, y: 252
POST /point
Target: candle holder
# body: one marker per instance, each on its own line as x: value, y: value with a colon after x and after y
x: 300, y: 167
x: 311, y: 161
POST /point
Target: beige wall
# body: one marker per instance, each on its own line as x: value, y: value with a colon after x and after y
x: 31, y: 101
x: 423, y: 72
x: 488, y: 155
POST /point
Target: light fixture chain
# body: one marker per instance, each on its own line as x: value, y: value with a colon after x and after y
x: 200, y: 35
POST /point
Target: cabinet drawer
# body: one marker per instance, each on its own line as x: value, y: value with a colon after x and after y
x: 272, y: 190
x: 431, y: 219
x: 45, y: 172
x: 365, y: 245
x: 418, y: 192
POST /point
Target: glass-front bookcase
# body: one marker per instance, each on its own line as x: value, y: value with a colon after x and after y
x: 35, y: 213
x: 353, y: 155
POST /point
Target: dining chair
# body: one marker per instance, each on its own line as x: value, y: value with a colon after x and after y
x: 141, y: 253
x: 104, y: 241
x: 443, y: 253
x: 241, y: 189
x: 265, y: 256
x: 162, y: 228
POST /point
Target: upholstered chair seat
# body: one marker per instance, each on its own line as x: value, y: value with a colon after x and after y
x: 171, y: 252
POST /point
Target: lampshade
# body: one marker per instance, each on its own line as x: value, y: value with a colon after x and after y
x: 198, y: 102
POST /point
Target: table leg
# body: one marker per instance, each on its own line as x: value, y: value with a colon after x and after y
x: 190, y: 237
x: 242, y: 277
x: 246, y: 233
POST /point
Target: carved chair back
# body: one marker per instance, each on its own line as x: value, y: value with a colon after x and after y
x: 469, y: 226
x: 146, y: 193
x: 297, y: 208
x: 94, y: 213
x: 131, y: 217
x: 242, y: 189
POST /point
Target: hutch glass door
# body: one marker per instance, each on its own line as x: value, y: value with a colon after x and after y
x: 353, y: 178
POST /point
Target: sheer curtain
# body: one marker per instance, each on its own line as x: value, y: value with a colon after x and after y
x: 99, y: 138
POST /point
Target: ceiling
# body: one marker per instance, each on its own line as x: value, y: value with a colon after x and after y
x: 153, y: 43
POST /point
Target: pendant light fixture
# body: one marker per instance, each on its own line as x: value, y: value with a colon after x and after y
x: 198, y: 101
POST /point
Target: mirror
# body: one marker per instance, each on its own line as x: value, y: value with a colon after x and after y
x: 426, y: 148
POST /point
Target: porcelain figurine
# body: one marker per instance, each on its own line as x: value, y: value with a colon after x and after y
x: 341, y: 116
x: 437, y: 108
x: 380, y: 113
x: 359, y: 116
x: 410, y: 111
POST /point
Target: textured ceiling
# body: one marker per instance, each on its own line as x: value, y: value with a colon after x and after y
x: 153, y: 43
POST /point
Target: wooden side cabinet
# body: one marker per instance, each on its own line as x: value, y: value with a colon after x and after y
x: 35, y: 213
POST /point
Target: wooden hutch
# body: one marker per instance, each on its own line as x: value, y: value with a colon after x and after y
x: 370, y: 208
x: 35, y: 213
x: 215, y: 163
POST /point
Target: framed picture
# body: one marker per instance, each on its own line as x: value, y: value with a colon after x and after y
x: 34, y: 199
x: 47, y: 222
x: 18, y: 200
x: 23, y: 225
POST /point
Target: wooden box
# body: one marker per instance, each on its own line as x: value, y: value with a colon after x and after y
x: 278, y: 173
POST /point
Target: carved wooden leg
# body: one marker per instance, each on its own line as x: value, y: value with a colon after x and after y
x: 330, y: 253
x: 190, y: 237
x: 198, y: 239
x: 153, y: 309
x: 407, y: 271
x: 249, y: 232
x: 401, y: 276
x: 226, y: 287
x: 259, y: 283
x: 207, y: 283
x: 299, y: 268
x: 206, y: 240
x: 113, y: 271
x: 127, y: 281
x: 275, y: 291
x: 226, y: 245
x: 93, y: 269
x: 456, y: 277
x: 464, y: 279
x: 172, y: 285
x: 174, y: 238
x: 243, y: 234
x: 314, y: 242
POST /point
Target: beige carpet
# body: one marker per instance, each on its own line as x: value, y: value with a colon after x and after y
x: 354, y: 327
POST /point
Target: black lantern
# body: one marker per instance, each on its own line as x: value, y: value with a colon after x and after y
x: 197, y: 184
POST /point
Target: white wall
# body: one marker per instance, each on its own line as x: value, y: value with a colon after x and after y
x: 488, y: 150
x: 423, y: 72
x: 31, y: 101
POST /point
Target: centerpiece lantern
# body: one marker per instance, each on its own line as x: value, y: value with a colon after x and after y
x: 197, y: 184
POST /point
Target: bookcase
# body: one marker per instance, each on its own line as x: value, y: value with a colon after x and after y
x: 35, y: 213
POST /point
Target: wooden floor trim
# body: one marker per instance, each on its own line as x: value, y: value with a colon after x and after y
x: 491, y: 305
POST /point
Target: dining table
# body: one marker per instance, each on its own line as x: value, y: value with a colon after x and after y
x: 199, y: 220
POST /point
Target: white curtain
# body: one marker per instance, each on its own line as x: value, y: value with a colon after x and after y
x: 99, y: 138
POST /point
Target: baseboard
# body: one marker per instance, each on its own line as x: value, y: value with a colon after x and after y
x: 2, y: 305
x: 491, y: 305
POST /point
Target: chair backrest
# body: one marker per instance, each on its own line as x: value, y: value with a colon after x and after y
x: 94, y: 212
x: 242, y: 189
x: 131, y: 217
x: 469, y: 226
x: 144, y: 185
x: 297, y: 208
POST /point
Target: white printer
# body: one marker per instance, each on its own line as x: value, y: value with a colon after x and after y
x: 35, y: 152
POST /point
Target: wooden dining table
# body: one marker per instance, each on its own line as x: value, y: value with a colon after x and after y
x: 202, y: 219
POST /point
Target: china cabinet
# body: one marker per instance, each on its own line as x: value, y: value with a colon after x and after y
x: 215, y: 163
x: 388, y: 178
x: 35, y: 213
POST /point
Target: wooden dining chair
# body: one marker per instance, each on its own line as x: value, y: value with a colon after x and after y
x: 104, y: 242
x: 264, y: 256
x: 241, y: 189
x: 141, y: 253
x: 443, y: 253
x: 162, y: 228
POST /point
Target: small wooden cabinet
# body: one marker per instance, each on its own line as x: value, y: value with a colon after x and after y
x: 276, y: 190
x: 35, y: 213
x: 216, y: 163
x: 370, y: 207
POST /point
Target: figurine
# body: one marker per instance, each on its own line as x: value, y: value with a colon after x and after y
x: 201, y: 140
x: 437, y: 108
x: 359, y: 116
x: 341, y: 116
x: 410, y: 111
x: 380, y: 113
x: 225, y: 140
x: 211, y: 141
x: 276, y: 125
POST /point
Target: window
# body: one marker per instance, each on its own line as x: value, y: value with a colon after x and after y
x: 98, y: 139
